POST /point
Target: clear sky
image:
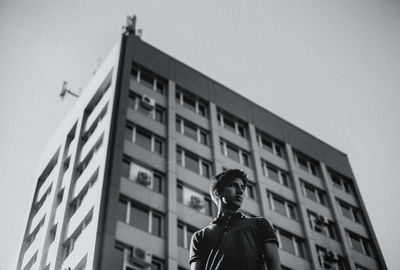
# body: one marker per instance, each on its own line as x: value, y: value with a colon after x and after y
x: 331, y: 68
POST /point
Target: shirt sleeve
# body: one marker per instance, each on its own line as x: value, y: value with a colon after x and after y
x: 195, y: 249
x: 267, y: 232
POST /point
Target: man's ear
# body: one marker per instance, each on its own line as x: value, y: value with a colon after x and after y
x: 217, y: 193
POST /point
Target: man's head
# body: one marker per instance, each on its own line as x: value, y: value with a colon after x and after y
x: 229, y: 186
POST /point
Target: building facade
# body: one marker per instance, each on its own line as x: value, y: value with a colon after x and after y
x: 124, y: 182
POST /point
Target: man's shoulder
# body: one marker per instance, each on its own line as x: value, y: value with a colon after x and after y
x: 258, y: 221
x: 205, y: 230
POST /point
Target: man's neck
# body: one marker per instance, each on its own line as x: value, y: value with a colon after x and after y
x: 226, y: 212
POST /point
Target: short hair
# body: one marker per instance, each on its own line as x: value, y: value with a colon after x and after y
x: 220, y: 180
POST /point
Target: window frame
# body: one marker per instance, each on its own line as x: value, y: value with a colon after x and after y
x: 287, y: 205
x: 181, y: 154
x: 156, y: 79
x: 244, y: 156
x: 311, y: 166
x: 275, y: 144
x: 298, y: 244
x: 185, y: 228
x: 240, y: 127
x: 201, y: 133
x: 134, y: 100
x: 283, y: 176
x: 150, y: 213
x: 320, y: 195
x: 153, y: 138
x: 200, y: 106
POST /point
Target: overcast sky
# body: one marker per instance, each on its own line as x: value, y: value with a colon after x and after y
x: 331, y: 68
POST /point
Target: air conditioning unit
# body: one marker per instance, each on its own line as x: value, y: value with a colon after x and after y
x: 145, y: 179
x: 139, y: 257
x: 147, y: 102
x: 329, y: 259
x: 196, y: 202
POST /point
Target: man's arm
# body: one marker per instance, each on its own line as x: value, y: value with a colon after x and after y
x: 271, y: 256
x: 196, y: 265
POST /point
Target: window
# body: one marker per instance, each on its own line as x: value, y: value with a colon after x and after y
x: 250, y: 191
x: 322, y: 225
x: 155, y: 112
x: 313, y: 193
x: 307, y: 164
x: 291, y: 243
x: 276, y: 174
x: 342, y: 183
x: 235, y: 153
x: 156, y: 263
x: 192, y: 131
x: 351, y: 212
x: 149, y: 78
x: 197, y: 200
x: 191, y: 102
x: 192, y: 162
x: 359, y: 244
x: 282, y: 206
x: 231, y: 123
x: 99, y: 94
x: 31, y: 262
x: 144, y: 139
x: 151, y: 179
x: 185, y: 233
x: 270, y: 144
x: 145, y: 219
x: 70, y: 243
x: 48, y: 170
x: 31, y: 237
x: 39, y: 204
x: 88, y: 133
x: 330, y: 260
x: 89, y: 157
x: 77, y: 201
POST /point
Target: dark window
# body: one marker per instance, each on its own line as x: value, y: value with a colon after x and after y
x: 189, y: 103
x: 158, y: 146
x: 203, y: 137
x: 125, y: 168
x: 157, y: 264
x: 143, y: 139
x: 191, y: 162
x: 250, y: 191
x: 157, y: 183
x: 206, y: 172
x: 159, y: 115
x: 156, y: 225
x: 190, y: 131
x: 140, y: 218
x: 232, y: 153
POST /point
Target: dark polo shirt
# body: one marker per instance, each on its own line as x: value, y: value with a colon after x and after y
x: 230, y: 243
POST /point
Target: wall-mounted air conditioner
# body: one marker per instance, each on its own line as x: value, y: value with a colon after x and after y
x: 145, y: 179
x: 147, y: 103
x: 196, y: 202
x: 139, y: 259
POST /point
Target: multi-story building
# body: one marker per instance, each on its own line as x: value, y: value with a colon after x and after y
x: 124, y: 182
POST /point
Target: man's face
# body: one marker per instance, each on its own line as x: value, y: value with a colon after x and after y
x: 233, y: 193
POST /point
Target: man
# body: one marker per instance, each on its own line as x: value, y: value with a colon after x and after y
x: 233, y: 241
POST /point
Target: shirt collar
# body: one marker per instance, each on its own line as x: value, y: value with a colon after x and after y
x: 221, y: 219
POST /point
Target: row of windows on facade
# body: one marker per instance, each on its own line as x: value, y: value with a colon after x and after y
x: 156, y: 144
x: 155, y: 181
x: 151, y: 221
x: 191, y: 130
x: 230, y: 122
